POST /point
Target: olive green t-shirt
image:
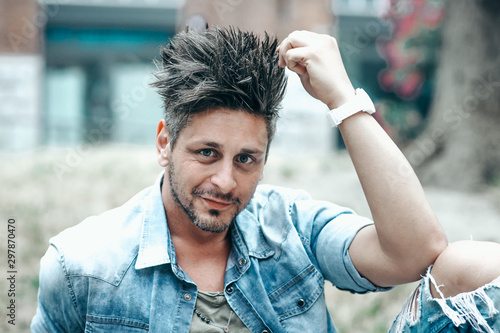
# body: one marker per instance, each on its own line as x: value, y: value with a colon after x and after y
x: 213, y: 306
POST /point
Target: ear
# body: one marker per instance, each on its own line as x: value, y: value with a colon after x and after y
x: 162, y: 143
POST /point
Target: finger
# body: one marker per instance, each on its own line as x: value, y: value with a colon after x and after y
x: 296, y: 59
x: 282, y: 50
x: 294, y: 40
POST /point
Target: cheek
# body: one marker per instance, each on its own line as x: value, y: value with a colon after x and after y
x: 248, y: 187
x: 194, y: 175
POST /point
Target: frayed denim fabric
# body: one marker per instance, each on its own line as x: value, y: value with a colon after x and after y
x: 475, y: 311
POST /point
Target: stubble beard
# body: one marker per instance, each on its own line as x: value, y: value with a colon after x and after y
x: 212, y: 223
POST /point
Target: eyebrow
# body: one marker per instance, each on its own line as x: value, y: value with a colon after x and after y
x: 215, y: 145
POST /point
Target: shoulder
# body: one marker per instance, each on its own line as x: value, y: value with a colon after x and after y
x: 297, y: 204
x: 104, y: 244
x: 276, y: 195
x: 277, y: 210
x: 276, y: 207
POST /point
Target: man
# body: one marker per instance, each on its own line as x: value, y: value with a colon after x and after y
x: 208, y: 250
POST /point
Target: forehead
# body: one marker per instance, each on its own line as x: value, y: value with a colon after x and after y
x: 221, y: 124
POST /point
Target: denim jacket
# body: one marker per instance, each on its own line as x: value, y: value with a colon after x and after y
x: 118, y: 272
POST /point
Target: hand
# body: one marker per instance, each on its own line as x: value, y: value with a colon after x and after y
x: 316, y: 59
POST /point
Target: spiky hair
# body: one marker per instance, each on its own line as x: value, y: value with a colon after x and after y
x: 219, y: 67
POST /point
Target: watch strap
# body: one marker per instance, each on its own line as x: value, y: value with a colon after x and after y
x: 360, y: 102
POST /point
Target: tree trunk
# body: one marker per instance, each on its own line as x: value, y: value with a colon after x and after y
x: 460, y: 147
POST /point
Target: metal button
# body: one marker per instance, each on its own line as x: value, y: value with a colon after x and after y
x: 242, y: 262
x: 187, y: 297
x: 265, y: 331
x: 229, y: 289
x: 301, y: 303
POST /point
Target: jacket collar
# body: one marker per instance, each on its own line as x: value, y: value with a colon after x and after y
x: 250, y: 229
x: 155, y: 247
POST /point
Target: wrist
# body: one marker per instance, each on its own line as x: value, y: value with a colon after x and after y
x: 360, y: 102
x: 339, y: 98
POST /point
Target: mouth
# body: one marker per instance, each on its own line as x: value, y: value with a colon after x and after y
x: 217, y: 204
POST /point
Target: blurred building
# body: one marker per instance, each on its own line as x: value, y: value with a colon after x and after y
x: 21, y: 67
x: 77, y: 71
x: 277, y: 17
x: 358, y: 26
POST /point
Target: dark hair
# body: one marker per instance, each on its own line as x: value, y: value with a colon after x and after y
x: 219, y: 68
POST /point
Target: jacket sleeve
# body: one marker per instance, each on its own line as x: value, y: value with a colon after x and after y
x: 331, y: 229
x: 57, y: 309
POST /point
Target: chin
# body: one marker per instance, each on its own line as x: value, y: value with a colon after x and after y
x: 213, y: 222
x: 216, y: 228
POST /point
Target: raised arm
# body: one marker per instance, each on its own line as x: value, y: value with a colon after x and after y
x: 406, y: 236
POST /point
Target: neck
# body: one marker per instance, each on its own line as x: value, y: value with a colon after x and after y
x: 188, y: 234
x: 201, y: 254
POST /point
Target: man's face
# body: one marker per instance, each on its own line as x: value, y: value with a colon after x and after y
x: 215, y: 167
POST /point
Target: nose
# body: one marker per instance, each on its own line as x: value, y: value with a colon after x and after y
x: 224, y: 178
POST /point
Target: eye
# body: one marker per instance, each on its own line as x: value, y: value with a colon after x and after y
x: 245, y: 159
x: 207, y: 152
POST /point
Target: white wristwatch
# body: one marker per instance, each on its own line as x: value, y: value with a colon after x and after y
x: 360, y: 102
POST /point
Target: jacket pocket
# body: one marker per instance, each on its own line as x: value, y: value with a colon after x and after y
x: 299, y: 294
x: 99, y: 324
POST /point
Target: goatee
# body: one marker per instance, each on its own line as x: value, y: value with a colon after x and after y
x: 213, y: 223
